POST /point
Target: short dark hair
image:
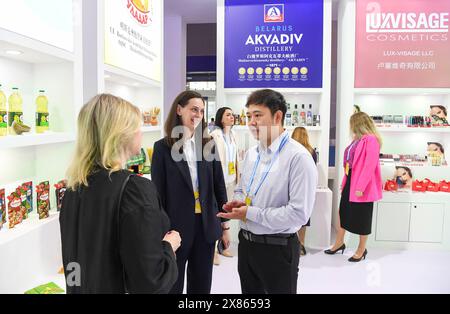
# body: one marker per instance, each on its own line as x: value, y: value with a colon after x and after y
x: 407, y: 169
x: 438, y: 145
x: 269, y: 98
x: 440, y: 107
x: 219, y: 116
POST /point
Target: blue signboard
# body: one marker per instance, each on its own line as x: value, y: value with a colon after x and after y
x: 273, y: 43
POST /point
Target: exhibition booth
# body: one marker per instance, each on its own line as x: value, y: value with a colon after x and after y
x: 392, y: 65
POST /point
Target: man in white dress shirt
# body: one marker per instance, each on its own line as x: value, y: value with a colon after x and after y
x: 273, y: 200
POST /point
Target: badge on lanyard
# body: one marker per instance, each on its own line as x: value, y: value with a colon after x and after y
x: 248, y: 201
x: 231, y: 168
x: 347, y: 168
x: 198, y: 207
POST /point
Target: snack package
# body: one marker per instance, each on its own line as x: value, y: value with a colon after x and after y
x: 29, y: 188
x: 15, y: 215
x: 24, y: 205
x: 60, y: 187
x: 49, y: 288
x: 2, y: 208
x: 43, y: 199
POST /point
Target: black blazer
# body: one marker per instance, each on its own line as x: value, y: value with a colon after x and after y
x: 89, y: 236
x: 173, y: 181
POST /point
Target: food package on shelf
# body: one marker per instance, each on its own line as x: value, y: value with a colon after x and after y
x: 15, y: 215
x: 2, y: 208
x: 43, y: 199
x: 60, y: 190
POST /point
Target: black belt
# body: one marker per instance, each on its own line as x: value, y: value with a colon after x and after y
x: 273, y: 239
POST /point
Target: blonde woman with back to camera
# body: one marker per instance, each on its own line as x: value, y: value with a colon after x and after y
x: 112, y: 224
x: 361, y: 185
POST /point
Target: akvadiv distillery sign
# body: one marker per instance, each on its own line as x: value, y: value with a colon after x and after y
x: 273, y: 43
x: 402, y: 44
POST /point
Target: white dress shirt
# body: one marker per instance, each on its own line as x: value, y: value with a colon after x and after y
x: 191, y: 158
x: 285, y: 201
x: 231, y: 156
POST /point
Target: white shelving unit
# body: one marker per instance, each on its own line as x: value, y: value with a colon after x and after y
x: 398, y: 215
x: 235, y: 98
x: 31, y: 251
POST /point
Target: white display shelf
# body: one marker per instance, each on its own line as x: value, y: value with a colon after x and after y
x: 289, y: 128
x: 148, y: 129
x: 289, y: 91
x: 27, y: 226
x: 15, y: 141
x: 414, y: 130
x: 405, y: 196
x: 117, y: 75
x: 33, y: 51
x: 402, y: 91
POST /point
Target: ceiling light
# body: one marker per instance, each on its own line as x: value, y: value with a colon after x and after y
x: 14, y: 52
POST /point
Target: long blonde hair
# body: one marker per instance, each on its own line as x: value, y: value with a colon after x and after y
x: 301, y: 135
x: 361, y: 124
x: 107, y: 126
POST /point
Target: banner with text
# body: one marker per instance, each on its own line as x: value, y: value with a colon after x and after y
x: 402, y: 44
x: 273, y: 43
x: 133, y: 36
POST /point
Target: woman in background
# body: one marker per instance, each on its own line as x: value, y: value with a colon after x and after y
x: 300, y: 134
x: 226, y: 145
x: 362, y: 184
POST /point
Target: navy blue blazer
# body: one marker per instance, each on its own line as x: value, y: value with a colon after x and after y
x: 173, y: 182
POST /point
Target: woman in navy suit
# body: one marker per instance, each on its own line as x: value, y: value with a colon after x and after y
x: 188, y: 176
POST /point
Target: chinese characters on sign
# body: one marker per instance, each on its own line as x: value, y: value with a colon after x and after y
x: 402, y: 44
x: 133, y: 36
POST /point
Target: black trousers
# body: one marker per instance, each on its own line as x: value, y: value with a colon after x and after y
x: 268, y: 269
x: 199, y: 256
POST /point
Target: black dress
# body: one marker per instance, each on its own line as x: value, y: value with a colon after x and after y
x: 90, y: 237
x: 355, y: 217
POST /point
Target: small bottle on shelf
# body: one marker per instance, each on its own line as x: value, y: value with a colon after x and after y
x: 3, y: 114
x: 15, y: 110
x: 42, y: 121
x: 243, y: 118
x: 309, y: 117
x: 303, y: 116
x: 295, y: 118
x: 288, y: 115
x: 318, y: 120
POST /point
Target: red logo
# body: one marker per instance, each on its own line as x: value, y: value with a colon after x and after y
x: 139, y: 9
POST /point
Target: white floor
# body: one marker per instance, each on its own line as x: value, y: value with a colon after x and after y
x: 382, y: 272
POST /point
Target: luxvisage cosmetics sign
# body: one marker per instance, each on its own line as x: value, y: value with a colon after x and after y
x: 273, y: 43
x: 402, y: 44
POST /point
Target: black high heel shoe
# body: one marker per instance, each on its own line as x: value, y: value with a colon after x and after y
x: 330, y: 252
x: 356, y: 260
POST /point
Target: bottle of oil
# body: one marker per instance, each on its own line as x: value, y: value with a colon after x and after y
x: 15, y: 110
x: 3, y: 114
x: 42, y: 121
